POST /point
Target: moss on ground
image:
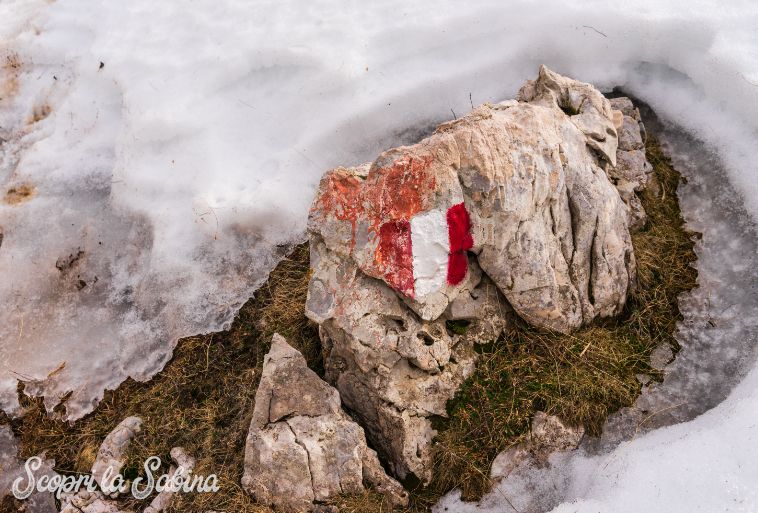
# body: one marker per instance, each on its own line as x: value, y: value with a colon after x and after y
x: 203, y: 399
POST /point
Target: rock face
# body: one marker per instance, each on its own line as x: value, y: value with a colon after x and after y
x: 302, y: 449
x: 632, y: 172
x: 394, y: 370
x: 511, y: 208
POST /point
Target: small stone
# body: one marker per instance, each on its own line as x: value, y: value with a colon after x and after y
x: 548, y: 435
x: 112, y: 452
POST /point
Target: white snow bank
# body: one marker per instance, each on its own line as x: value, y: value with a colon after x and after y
x: 707, y: 465
x: 180, y: 165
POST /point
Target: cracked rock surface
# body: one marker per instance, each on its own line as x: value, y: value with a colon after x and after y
x: 302, y: 449
x: 520, y: 207
x: 548, y: 435
x: 394, y: 370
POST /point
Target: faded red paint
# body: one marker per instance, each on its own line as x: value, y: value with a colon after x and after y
x: 460, y: 240
x: 403, y: 189
x: 385, y: 201
x: 398, y: 193
x: 394, y: 254
x: 389, y: 193
x: 341, y: 197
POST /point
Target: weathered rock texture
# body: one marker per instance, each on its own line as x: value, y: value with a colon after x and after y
x: 632, y: 172
x: 393, y: 369
x: 112, y: 452
x: 512, y: 206
x: 302, y: 449
x: 548, y: 435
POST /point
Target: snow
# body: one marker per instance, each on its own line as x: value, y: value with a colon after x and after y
x: 707, y: 465
x: 184, y: 165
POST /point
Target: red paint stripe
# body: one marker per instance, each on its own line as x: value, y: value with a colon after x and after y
x: 460, y: 240
x: 395, y: 256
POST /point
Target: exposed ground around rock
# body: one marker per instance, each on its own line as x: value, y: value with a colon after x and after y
x: 203, y: 399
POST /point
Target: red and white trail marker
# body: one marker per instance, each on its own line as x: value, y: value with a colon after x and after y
x: 426, y: 253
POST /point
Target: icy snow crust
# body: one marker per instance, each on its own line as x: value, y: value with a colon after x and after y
x: 163, y: 184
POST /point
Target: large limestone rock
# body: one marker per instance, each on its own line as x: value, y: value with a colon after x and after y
x: 395, y: 370
x: 521, y: 206
x: 302, y: 449
x: 521, y: 184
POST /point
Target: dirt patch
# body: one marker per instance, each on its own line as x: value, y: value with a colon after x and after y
x: 65, y: 263
x: 39, y: 113
x: 11, y: 65
x: 21, y: 193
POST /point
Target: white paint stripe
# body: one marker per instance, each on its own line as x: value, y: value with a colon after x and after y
x: 430, y: 246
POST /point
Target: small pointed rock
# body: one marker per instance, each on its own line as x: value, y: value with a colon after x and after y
x: 302, y: 449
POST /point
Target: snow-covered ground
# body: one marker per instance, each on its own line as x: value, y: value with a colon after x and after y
x: 170, y: 151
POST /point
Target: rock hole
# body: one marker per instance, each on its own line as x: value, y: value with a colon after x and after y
x: 426, y: 338
x: 398, y: 323
x: 569, y: 110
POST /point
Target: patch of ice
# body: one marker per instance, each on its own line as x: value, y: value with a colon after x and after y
x: 11, y: 468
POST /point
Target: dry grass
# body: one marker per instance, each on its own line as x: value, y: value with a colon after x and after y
x: 203, y: 399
